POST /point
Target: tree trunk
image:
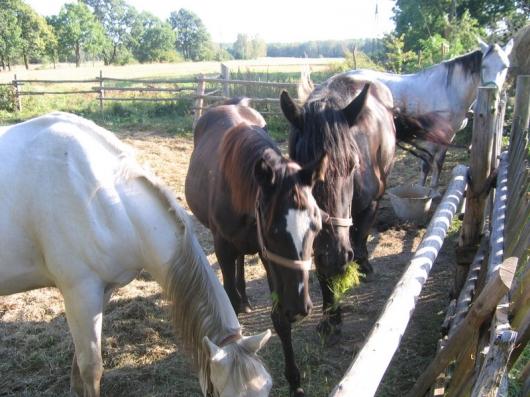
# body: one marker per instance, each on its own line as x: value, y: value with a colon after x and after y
x: 77, y: 55
x: 26, y: 61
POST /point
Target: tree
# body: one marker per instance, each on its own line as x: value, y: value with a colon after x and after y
x: 397, y: 58
x: 35, y: 33
x: 117, y: 18
x: 247, y: 48
x: 422, y: 19
x: 10, y: 32
x: 193, y: 40
x: 155, y: 39
x: 78, y: 30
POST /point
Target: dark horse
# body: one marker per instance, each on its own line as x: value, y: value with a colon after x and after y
x: 354, y: 122
x: 254, y: 200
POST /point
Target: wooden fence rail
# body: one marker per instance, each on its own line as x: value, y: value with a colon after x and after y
x: 366, y: 371
x: 195, y: 85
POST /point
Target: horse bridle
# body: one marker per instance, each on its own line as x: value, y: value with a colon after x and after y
x: 295, y: 264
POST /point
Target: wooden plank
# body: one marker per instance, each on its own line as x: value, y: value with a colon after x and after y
x: 225, y: 76
x: 481, y: 310
x: 480, y: 164
x: 59, y: 81
x: 494, y: 368
x: 364, y: 374
x: 142, y: 99
x: 251, y: 82
x: 199, y: 99
x: 29, y: 93
x: 159, y: 81
x: 144, y: 89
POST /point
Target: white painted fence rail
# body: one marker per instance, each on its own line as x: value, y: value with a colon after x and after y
x: 365, y: 373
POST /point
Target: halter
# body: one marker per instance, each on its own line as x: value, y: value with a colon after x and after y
x: 295, y: 264
x: 335, y: 221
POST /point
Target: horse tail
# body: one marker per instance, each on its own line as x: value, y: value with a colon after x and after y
x: 238, y: 100
x: 425, y: 127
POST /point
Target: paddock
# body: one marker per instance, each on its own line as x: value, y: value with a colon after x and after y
x: 140, y: 354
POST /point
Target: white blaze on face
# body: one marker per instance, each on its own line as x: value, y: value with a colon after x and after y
x: 298, y: 223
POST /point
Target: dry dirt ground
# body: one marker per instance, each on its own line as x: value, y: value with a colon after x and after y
x: 141, y: 356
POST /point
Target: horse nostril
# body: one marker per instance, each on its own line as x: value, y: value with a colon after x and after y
x: 349, y: 256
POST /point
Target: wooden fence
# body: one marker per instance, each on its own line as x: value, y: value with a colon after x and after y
x: 488, y: 325
x: 159, y: 90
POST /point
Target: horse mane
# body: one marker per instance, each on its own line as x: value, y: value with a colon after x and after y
x: 470, y: 64
x: 198, y: 304
x: 241, y: 147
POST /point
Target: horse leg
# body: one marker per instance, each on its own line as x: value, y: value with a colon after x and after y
x: 438, y: 163
x: 226, y: 256
x: 359, y: 236
x: 425, y: 169
x: 84, y: 311
x: 76, y: 382
x: 329, y: 327
x: 241, y: 285
x: 282, y: 326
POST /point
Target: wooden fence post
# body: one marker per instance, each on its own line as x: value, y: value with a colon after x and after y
x: 480, y: 168
x: 199, y: 101
x: 225, y: 75
x: 18, y: 99
x: 101, y: 91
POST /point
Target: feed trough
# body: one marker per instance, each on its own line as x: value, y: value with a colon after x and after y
x: 410, y: 202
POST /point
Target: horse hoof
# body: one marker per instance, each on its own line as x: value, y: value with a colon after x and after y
x: 245, y: 307
x: 298, y: 392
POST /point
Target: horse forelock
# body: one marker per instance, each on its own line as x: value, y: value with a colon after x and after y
x: 325, y: 130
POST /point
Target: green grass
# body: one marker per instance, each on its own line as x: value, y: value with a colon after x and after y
x: 344, y: 282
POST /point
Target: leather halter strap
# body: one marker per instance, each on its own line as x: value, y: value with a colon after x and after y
x: 335, y: 221
x: 295, y: 264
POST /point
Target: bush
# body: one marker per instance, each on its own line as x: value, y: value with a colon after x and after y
x: 7, y: 98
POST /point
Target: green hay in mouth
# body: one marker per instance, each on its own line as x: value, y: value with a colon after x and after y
x: 341, y: 284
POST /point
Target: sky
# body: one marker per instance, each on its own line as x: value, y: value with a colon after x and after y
x: 272, y: 20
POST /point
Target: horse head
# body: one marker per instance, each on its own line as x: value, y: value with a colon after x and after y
x: 323, y: 125
x: 495, y: 63
x: 288, y: 220
x: 234, y: 369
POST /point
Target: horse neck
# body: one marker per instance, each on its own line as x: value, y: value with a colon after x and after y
x: 171, y: 253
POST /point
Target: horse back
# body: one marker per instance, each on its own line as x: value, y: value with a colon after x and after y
x: 64, y: 206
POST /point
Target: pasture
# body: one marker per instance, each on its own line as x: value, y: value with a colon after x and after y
x: 141, y: 356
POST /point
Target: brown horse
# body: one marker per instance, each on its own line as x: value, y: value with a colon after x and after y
x: 355, y: 123
x: 255, y: 200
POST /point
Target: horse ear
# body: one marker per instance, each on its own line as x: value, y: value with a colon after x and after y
x: 508, y: 47
x: 354, y: 108
x: 484, y: 47
x: 215, y: 353
x: 291, y: 110
x: 255, y: 342
x: 264, y: 171
x: 314, y: 171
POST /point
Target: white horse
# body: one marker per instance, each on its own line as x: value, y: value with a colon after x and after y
x: 448, y: 89
x: 78, y: 213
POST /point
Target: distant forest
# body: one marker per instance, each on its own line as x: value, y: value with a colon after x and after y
x: 323, y: 48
